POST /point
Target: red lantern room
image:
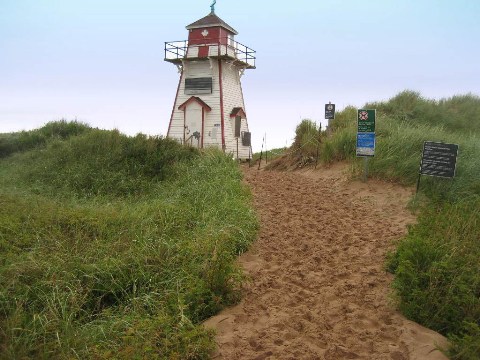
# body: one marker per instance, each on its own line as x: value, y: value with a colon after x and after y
x: 210, y: 37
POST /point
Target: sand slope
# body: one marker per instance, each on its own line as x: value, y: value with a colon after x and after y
x: 318, y: 289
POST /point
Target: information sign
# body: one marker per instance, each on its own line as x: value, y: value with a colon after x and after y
x: 329, y: 111
x: 366, y: 144
x: 439, y: 159
x: 366, y: 120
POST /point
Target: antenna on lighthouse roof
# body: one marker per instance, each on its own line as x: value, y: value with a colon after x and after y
x: 212, y: 7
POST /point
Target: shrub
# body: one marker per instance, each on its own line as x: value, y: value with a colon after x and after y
x: 466, y: 345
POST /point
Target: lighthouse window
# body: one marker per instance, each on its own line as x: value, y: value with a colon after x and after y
x: 195, y: 86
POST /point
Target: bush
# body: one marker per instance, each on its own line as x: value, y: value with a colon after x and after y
x: 466, y: 345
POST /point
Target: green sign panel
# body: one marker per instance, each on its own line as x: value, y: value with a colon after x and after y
x: 366, y: 120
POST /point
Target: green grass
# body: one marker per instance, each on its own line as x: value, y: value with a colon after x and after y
x: 27, y: 140
x: 399, y: 146
x: 458, y: 113
x: 270, y: 155
x: 304, y: 150
x: 436, y: 267
x: 117, y: 247
x: 438, y: 263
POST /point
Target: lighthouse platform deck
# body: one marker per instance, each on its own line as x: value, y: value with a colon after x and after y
x: 228, y: 49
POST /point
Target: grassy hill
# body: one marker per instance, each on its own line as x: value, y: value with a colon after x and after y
x: 403, y: 124
x: 114, y: 246
x: 436, y: 267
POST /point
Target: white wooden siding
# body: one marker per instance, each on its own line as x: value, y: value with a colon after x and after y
x: 213, y: 50
x: 192, y: 52
x: 194, y: 69
x: 232, y: 97
x: 224, y: 50
x: 193, y: 122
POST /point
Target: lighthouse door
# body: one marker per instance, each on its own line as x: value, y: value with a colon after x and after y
x: 193, y: 125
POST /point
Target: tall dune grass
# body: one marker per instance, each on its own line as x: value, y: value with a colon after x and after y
x: 399, y: 143
x: 27, y: 140
x: 117, y: 247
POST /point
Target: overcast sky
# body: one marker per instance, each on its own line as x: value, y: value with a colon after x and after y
x: 101, y: 61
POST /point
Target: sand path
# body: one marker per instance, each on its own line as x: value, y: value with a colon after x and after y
x: 318, y: 289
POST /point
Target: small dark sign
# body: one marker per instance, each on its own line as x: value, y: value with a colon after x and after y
x: 195, y: 86
x: 366, y: 120
x: 329, y: 111
x: 246, y: 139
x: 439, y: 159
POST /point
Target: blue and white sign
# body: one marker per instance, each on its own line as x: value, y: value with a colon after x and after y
x: 366, y: 144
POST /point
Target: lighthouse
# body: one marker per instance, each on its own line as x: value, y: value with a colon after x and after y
x: 209, y: 109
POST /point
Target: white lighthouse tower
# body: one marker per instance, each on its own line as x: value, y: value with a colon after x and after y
x: 209, y: 109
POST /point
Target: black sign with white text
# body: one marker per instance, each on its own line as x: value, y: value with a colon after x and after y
x: 439, y: 159
x: 329, y: 111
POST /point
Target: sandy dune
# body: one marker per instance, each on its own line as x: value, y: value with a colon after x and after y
x: 318, y: 289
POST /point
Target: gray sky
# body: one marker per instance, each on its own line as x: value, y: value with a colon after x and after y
x: 101, y: 61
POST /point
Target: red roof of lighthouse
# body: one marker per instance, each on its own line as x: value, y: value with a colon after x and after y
x: 238, y: 111
x: 211, y: 20
x: 196, y: 99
